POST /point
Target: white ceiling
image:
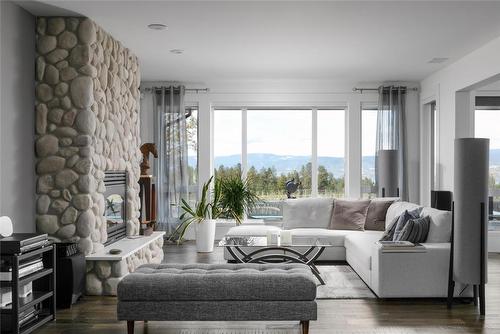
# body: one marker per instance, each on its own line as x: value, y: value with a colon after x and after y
x: 300, y: 40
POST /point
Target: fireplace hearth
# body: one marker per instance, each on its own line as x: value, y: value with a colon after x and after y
x: 115, y: 211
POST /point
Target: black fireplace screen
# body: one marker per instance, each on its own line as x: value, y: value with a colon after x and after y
x: 116, y: 205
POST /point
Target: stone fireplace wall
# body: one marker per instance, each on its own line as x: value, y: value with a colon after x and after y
x: 87, y: 122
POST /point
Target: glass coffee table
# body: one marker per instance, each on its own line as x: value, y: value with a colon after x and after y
x: 248, y: 249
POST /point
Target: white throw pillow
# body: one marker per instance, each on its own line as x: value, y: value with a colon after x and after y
x: 440, y: 226
x: 307, y: 212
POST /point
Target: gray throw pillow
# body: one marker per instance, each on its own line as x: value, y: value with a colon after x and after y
x: 349, y: 215
x: 403, y: 219
x: 389, y: 232
x: 415, y: 230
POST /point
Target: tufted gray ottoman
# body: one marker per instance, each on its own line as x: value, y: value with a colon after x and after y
x: 218, y: 292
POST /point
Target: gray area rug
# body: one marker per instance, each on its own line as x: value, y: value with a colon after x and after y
x: 342, y: 282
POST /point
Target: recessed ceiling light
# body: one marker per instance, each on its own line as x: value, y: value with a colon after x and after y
x: 177, y: 51
x: 438, y: 60
x: 157, y: 26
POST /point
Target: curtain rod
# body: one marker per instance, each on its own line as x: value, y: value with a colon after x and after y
x: 356, y: 89
x: 196, y: 90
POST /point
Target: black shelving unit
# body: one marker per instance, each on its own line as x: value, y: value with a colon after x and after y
x: 43, y: 295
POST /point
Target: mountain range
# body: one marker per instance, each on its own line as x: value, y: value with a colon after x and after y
x: 287, y: 163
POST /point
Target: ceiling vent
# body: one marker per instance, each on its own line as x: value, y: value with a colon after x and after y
x: 437, y: 60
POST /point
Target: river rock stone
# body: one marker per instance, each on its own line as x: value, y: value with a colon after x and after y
x: 46, y: 44
x: 51, y: 75
x: 44, y: 92
x: 87, y: 184
x: 66, y: 232
x: 55, y: 25
x: 69, y: 118
x: 67, y: 195
x: 83, y: 140
x: 66, y: 141
x: 93, y: 284
x: 69, y: 216
x: 41, y: 118
x: 68, y: 151
x: 82, y: 202
x: 89, y: 70
x: 86, y: 122
x: 87, y: 32
x: 65, y: 178
x: 65, y: 131
x: 62, y: 64
x: 46, y: 145
x: 56, y: 56
x: 41, y: 25
x: 70, y: 162
x: 110, y: 286
x: 50, y: 165
x: 82, y: 89
x: 42, y: 204
x: 40, y: 68
x: 55, y: 115
x: 58, y: 206
x: 72, y: 23
x: 68, y: 74
x: 47, y: 224
x: 61, y: 89
x: 45, y: 184
x: 67, y: 40
x: 83, y: 166
x: 55, y: 193
x: 85, y: 224
x: 80, y: 55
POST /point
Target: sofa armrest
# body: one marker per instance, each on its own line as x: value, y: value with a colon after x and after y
x: 411, y: 274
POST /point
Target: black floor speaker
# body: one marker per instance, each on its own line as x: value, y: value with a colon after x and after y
x: 70, y: 274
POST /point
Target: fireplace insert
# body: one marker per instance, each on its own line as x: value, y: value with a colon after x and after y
x: 116, y: 205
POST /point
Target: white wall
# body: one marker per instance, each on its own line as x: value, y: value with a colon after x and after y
x: 455, y: 120
x: 17, y: 73
x: 306, y: 94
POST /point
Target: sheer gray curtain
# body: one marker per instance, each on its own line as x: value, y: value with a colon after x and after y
x: 171, y: 141
x: 391, y: 131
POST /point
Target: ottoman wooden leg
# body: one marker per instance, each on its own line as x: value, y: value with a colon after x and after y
x: 305, y: 326
x: 130, y: 326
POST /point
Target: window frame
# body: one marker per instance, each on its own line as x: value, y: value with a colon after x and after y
x: 314, y: 137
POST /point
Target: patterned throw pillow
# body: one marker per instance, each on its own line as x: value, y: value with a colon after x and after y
x: 415, y: 230
x: 403, y: 219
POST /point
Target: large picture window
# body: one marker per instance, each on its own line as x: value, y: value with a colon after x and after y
x: 192, y: 134
x: 273, y: 146
x: 368, y: 147
x: 487, y: 122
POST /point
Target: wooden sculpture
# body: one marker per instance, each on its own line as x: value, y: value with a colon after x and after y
x: 146, y: 149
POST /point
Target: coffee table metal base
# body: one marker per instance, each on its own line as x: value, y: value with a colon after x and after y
x: 289, y: 255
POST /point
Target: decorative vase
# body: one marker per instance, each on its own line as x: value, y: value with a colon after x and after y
x: 205, y: 235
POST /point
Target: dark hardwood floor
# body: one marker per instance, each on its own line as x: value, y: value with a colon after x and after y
x: 356, y: 316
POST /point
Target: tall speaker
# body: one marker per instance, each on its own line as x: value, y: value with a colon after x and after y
x: 469, y: 232
x: 388, y: 173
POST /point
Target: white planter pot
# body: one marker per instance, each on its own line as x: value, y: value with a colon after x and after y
x: 205, y: 235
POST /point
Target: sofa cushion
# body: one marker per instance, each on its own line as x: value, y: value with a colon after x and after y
x: 335, y: 237
x: 377, y: 210
x: 349, y: 215
x: 215, y: 282
x: 440, y: 225
x: 396, y: 209
x: 415, y: 230
x: 307, y: 212
x: 252, y: 230
x: 389, y: 232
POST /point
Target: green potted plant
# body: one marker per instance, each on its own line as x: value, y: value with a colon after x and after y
x: 236, y: 198
x: 204, y: 214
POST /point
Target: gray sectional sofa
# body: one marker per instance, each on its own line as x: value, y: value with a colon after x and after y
x: 389, y: 275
